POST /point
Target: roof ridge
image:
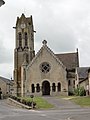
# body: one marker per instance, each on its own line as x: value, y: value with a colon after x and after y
x: 83, y: 67
x: 66, y: 53
x: 3, y: 78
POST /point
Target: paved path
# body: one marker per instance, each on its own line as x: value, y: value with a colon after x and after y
x: 11, y: 113
x: 61, y: 103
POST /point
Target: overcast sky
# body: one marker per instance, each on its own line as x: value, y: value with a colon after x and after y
x: 65, y: 24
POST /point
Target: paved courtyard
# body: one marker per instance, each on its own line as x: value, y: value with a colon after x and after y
x: 61, y: 103
x: 62, y: 112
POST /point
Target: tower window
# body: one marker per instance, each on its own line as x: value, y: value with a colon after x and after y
x: 20, y: 39
x: 26, y: 39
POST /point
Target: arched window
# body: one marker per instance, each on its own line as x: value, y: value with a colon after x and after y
x: 59, y: 87
x: 26, y: 39
x: 53, y: 87
x: 37, y: 88
x: 20, y: 39
x: 33, y: 88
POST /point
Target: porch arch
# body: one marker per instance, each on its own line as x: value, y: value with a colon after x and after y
x: 45, y: 88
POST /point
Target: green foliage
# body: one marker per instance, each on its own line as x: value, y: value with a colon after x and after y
x: 42, y: 103
x: 38, y: 102
x: 25, y: 101
x: 80, y: 91
x: 83, y: 101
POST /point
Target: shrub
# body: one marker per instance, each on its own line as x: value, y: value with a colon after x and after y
x: 23, y: 101
x: 76, y: 91
x: 80, y: 91
x: 18, y: 99
x: 29, y: 103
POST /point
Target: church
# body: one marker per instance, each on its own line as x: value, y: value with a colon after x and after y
x: 43, y: 73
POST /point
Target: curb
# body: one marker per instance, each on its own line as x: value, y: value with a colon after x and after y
x: 15, y: 103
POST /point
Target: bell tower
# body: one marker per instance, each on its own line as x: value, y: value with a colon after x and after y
x: 24, y: 48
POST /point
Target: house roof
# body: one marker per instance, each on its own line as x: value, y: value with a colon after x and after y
x: 5, y: 79
x: 82, y: 72
x: 70, y: 60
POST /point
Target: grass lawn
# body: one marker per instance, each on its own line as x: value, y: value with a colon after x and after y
x: 40, y: 103
x: 82, y: 101
x: 66, y: 97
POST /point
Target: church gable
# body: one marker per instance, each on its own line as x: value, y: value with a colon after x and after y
x: 44, y: 54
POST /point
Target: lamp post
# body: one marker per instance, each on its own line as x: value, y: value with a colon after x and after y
x: 1, y: 3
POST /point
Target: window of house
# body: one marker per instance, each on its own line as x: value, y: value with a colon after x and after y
x: 53, y: 87
x: 59, y: 87
x: 37, y: 88
x: 33, y: 88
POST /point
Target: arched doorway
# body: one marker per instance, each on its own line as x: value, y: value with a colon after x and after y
x: 45, y: 88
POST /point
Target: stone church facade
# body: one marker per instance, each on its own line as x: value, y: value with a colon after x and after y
x: 45, y: 73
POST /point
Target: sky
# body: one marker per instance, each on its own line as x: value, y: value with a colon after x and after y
x: 65, y: 24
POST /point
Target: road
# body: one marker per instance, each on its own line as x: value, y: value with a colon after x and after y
x: 11, y: 113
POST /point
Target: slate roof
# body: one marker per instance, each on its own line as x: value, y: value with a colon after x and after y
x: 5, y: 79
x: 82, y: 72
x: 70, y: 60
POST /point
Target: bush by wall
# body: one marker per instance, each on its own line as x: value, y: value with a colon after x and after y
x: 24, y: 101
x: 80, y: 91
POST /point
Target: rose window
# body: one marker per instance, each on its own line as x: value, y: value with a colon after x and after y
x: 45, y: 67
